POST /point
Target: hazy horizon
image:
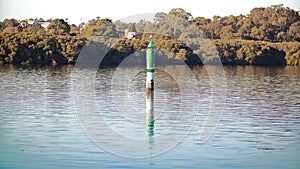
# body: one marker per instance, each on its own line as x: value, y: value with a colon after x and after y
x: 78, y: 12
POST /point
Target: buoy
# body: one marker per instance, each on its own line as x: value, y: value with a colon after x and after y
x: 150, y: 89
x: 150, y: 67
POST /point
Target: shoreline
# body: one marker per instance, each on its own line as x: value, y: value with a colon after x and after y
x: 35, y: 49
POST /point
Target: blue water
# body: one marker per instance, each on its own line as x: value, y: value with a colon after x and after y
x: 40, y: 128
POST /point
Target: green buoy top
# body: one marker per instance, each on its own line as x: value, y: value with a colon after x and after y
x: 151, y: 44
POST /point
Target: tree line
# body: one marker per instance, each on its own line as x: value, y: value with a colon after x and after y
x: 266, y: 36
x: 32, y: 48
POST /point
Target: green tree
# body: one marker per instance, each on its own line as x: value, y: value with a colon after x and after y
x: 34, y: 28
x: 214, y: 28
x: 293, y: 33
x: 102, y: 27
x: 59, y: 27
x: 227, y: 32
x: 131, y: 27
x: 10, y: 23
x: 140, y: 25
x: 120, y: 26
x: 159, y: 16
x: 181, y: 13
x: 201, y: 21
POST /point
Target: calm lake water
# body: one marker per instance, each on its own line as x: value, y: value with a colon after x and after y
x: 56, y: 117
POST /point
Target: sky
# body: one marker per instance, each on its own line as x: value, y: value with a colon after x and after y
x: 83, y: 10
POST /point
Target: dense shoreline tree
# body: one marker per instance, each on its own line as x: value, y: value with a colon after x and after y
x: 266, y: 36
x: 32, y: 48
